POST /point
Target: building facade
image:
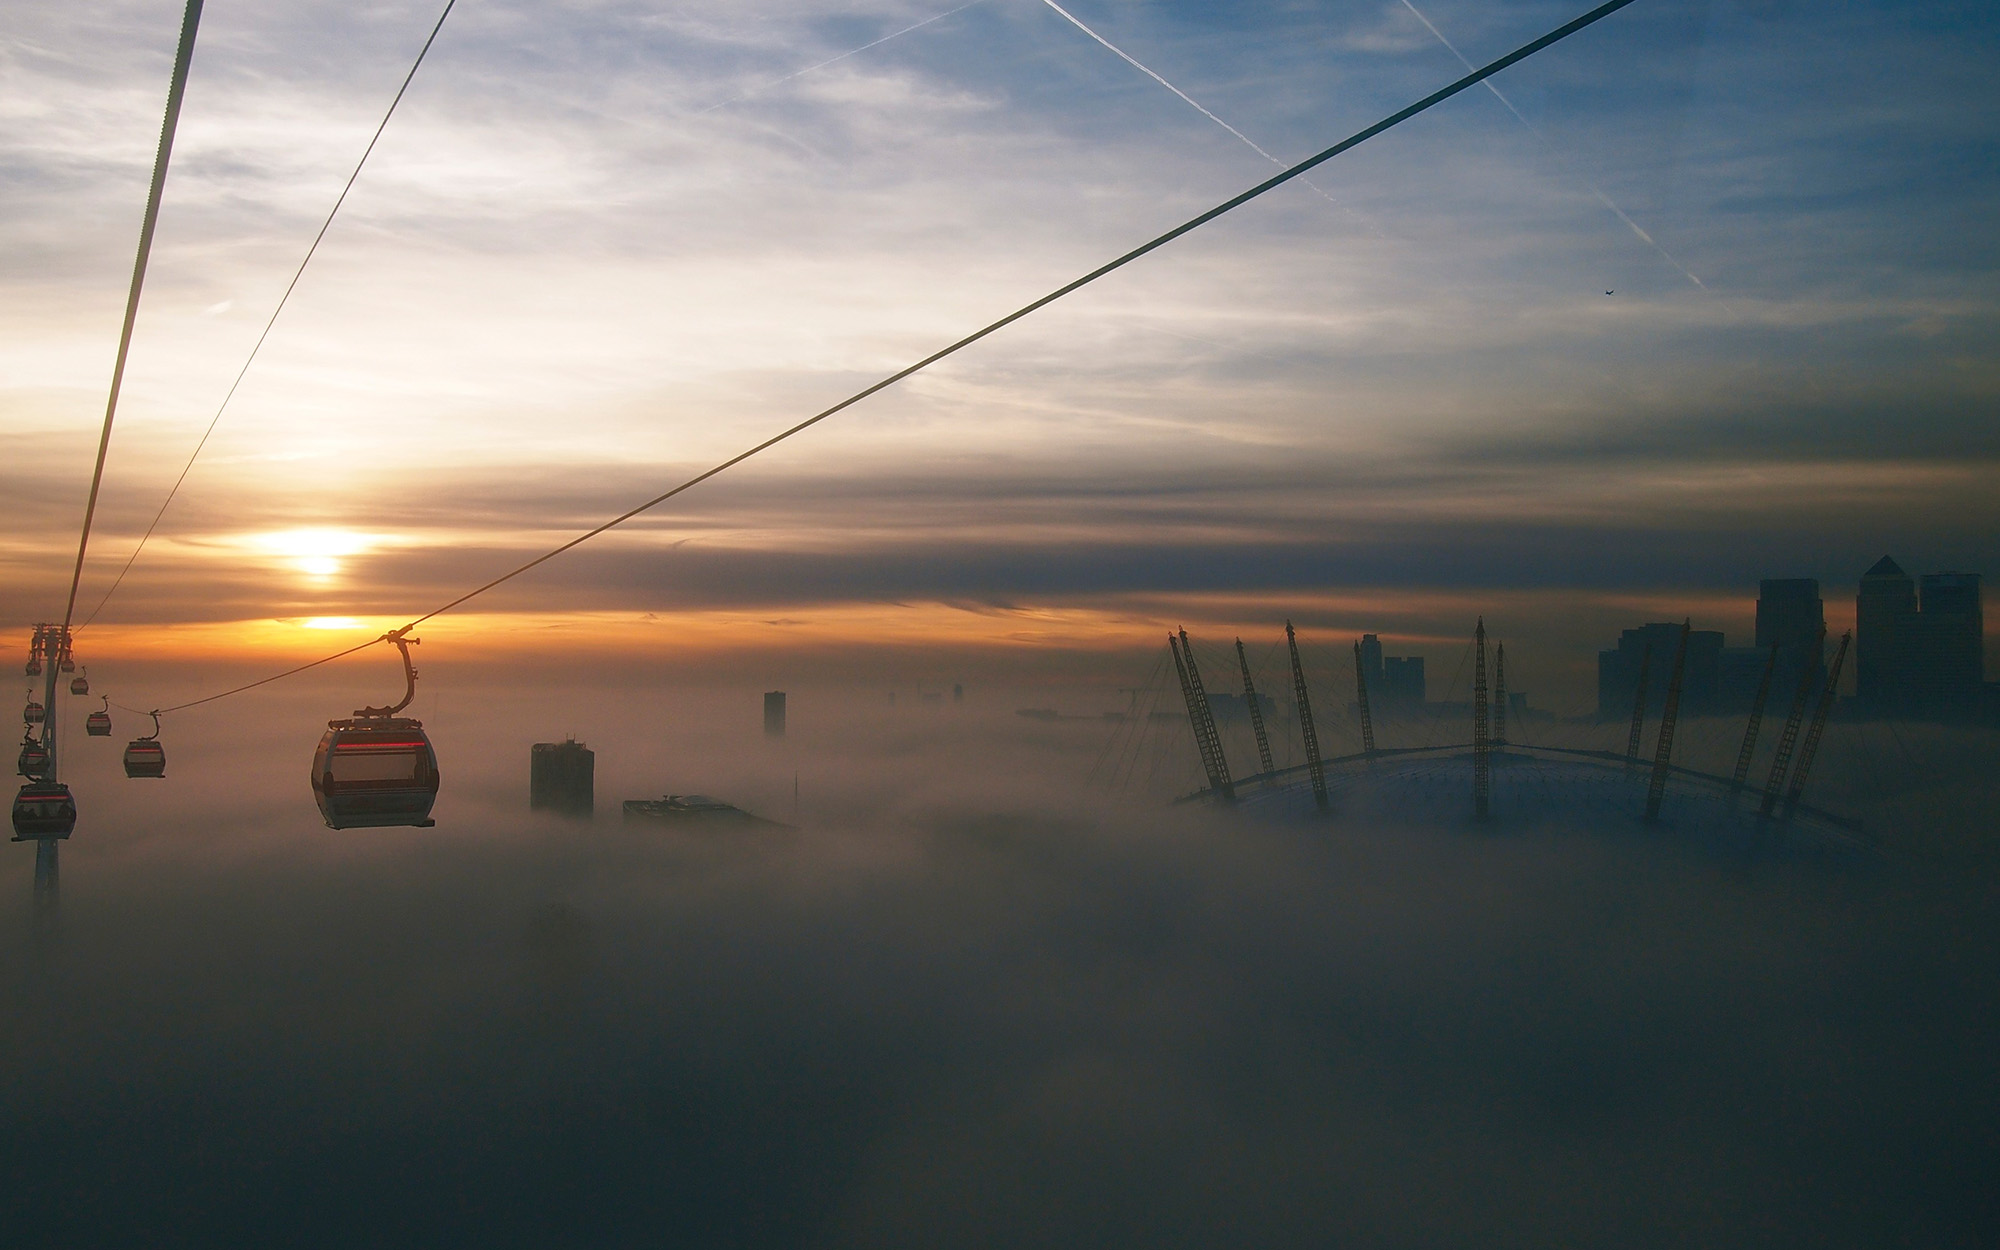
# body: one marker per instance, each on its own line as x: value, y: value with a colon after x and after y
x: 562, y: 778
x: 1919, y: 644
x: 1618, y: 671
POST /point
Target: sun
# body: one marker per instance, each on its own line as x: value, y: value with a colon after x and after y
x: 315, y: 552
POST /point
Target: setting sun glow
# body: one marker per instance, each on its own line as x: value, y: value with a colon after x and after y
x: 314, y: 552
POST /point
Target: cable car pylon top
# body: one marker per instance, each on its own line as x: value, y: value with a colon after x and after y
x: 401, y: 640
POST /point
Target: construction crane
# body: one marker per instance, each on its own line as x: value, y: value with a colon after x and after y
x: 1790, y: 737
x: 1639, y: 709
x: 1481, y: 749
x: 1201, y: 717
x: 1811, y: 747
x: 1314, y: 764
x: 1663, y: 750
x: 1361, y: 701
x: 1749, y: 748
x: 1256, y: 713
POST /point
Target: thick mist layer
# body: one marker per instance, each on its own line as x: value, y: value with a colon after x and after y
x: 976, y: 998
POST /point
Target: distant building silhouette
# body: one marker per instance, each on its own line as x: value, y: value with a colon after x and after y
x: 1701, y: 683
x: 1403, y: 680
x: 562, y: 777
x: 1919, y: 646
x: 1739, y: 671
x: 1791, y: 614
x: 1226, y: 706
x: 1371, y: 661
x: 1885, y: 611
x: 774, y: 713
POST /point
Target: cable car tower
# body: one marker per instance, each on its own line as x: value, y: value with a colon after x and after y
x: 44, y: 810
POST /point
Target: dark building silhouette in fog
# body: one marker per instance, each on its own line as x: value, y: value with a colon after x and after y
x: 1233, y: 707
x: 1371, y: 661
x: 1701, y: 682
x: 774, y: 713
x: 1919, y: 645
x: 562, y: 777
x: 1403, y: 680
x: 1791, y: 614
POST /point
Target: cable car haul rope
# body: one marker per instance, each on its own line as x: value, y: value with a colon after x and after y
x: 378, y: 768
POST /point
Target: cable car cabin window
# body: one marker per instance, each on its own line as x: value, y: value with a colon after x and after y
x: 403, y: 762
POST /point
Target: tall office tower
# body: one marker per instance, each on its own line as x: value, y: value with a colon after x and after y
x: 562, y: 777
x: 1618, y: 670
x: 1947, y: 659
x: 1884, y: 614
x: 1371, y: 661
x: 1403, y: 680
x: 1791, y: 614
x: 774, y: 713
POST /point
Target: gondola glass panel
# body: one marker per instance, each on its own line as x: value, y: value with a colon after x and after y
x: 145, y: 757
x: 34, y: 761
x: 375, y: 771
x: 43, y: 809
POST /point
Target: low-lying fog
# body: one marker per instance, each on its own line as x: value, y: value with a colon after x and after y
x: 992, y: 991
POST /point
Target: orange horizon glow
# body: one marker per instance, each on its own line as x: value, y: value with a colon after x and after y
x: 1399, y: 618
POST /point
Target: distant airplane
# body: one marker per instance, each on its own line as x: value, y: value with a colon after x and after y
x: 1610, y: 292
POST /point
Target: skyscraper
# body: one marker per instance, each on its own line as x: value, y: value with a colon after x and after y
x: 1618, y: 670
x: 562, y: 777
x: 1371, y: 662
x: 1884, y: 612
x: 1919, y: 654
x: 1403, y: 680
x: 1946, y: 653
x: 1791, y: 613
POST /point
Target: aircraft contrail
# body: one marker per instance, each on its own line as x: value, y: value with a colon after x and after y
x: 1595, y: 190
x: 1126, y: 57
x: 776, y: 82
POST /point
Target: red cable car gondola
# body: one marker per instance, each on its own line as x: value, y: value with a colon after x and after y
x: 378, y: 768
x: 43, y: 809
x: 68, y: 665
x: 34, y: 713
x: 145, y: 757
x: 35, y: 667
x: 80, y: 684
x: 34, y: 762
x: 98, y: 723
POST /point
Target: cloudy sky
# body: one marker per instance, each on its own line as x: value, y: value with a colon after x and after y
x: 605, y: 244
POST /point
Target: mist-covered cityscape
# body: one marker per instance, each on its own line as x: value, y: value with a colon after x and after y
x: 1116, y: 622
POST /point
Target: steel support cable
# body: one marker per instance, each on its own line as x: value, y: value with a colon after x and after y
x: 1359, y: 137
x: 282, y: 300
x: 183, y: 57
